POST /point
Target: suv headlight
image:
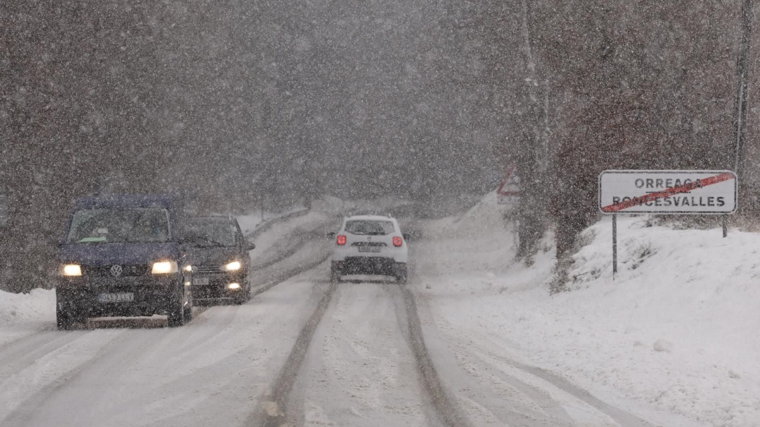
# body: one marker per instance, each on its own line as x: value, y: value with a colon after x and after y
x: 233, y: 266
x: 165, y: 267
x: 71, y: 270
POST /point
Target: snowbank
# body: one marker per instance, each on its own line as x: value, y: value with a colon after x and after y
x: 250, y: 222
x: 39, y: 304
x: 673, y: 338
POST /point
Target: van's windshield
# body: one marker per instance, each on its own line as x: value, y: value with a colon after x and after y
x: 119, y: 225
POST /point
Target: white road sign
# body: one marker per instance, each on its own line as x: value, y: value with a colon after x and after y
x: 667, y: 192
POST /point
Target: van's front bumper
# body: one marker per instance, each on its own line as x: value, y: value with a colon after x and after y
x: 124, y: 296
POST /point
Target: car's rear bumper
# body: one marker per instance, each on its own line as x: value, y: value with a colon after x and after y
x: 150, y: 295
x: 343, y: 253
x: 368, y: 265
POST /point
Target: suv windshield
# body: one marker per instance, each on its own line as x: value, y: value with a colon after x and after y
x: 210, y: 233
x: 119, y: 225
x: 370, y: 227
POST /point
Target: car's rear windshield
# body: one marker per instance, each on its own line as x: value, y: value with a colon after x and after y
x: 369, y: 227
x: 119, y: 225
x: 209, y: 233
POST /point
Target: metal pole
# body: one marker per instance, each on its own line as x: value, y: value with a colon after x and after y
x: 614, y: 245
x: 742, y: 71
x: 725, y: 226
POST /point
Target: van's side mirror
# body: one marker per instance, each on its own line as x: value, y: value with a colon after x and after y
x: 407, y: 236
x: 331, y: 236
x: 250, y: 246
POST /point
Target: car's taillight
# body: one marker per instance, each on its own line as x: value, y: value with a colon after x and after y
x: 397, y: 241
x: 341, y: 240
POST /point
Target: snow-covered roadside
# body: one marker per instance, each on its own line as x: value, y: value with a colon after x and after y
x: 35, y: 305
x: 25, y: 314
x: 252, y: 222
x: 673, y: 338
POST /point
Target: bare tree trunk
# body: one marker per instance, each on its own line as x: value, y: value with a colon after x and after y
x: 532, y: 159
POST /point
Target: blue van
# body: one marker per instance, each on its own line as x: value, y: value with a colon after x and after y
x: 120, y: 257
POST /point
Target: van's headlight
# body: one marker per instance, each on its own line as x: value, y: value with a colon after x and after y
x: 233, y: 266
x: 165, y: 267
x: 71, y: 270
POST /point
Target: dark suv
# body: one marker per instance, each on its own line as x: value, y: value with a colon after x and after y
x: 218, y: 253
x: 120, y: 257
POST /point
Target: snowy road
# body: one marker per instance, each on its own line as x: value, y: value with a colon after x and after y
x: 370, y: 357
x: 303, y: 352
x: 360, y: 369
x: 360, y: 366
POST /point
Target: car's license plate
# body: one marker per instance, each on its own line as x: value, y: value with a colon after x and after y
x: 373, y: 249
x: 117, y: 297
x: 200, y: 281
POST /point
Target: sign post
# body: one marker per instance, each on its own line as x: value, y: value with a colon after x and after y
x: 725, y: 226
x: 614, y: 245
x: 666, y: 192
x: 509, y: 188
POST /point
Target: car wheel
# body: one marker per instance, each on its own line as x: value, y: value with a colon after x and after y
x: 334, y: 277
x: 401, y: 277
x: 245, y: 295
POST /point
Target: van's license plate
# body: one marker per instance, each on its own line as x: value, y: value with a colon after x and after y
x: 200, y: 281
x: 118, y: 297
x: 373, y: 249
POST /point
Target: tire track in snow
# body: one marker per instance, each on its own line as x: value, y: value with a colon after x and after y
x: 273, y: 410
x: 287, y: 275
x: 448, y: 409
x: 22, y: 353
x: 360, y: 370
x: 558, y: 398
x: 57, y: 367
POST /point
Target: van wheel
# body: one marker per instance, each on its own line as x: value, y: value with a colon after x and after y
x: 187, y: 312
x: 176, y: 315
x: 66, y: 320
x: 176, y: 318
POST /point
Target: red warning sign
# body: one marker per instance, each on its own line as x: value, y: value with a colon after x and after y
x: 509, y: 188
